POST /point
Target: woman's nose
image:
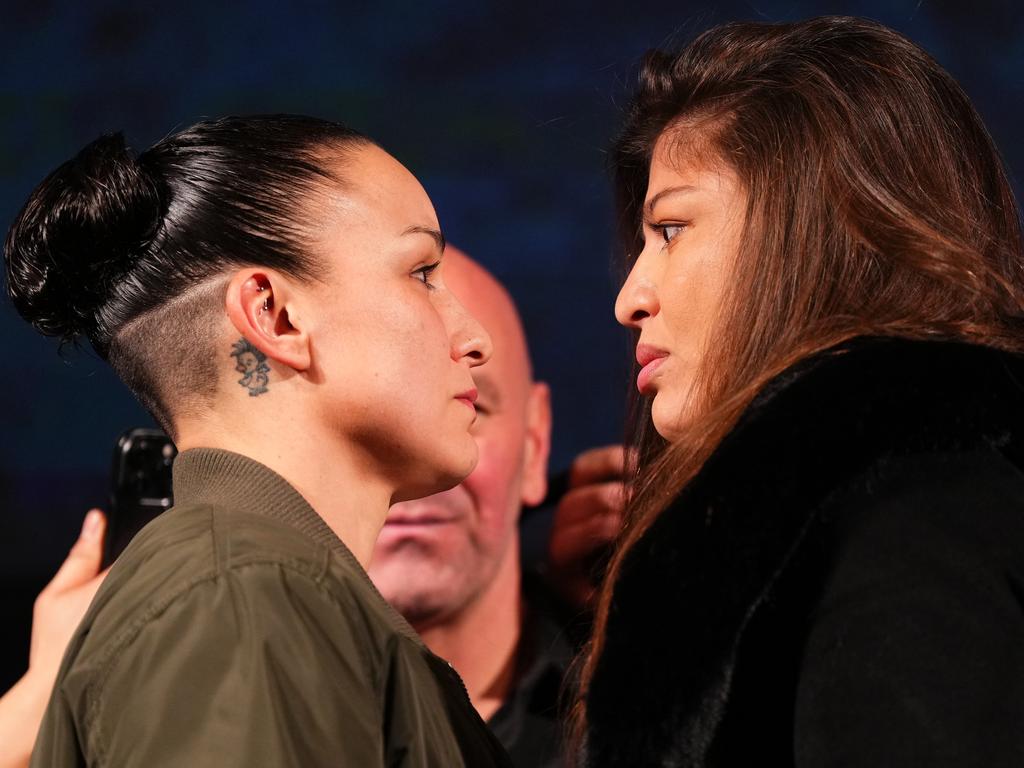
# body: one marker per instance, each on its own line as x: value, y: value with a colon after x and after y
x: 469, y: 340
x: 637, y: 299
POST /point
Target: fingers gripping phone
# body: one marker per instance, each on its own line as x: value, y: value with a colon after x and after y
x: 140, y: 486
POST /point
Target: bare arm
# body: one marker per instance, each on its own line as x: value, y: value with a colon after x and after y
x: 58, y: 610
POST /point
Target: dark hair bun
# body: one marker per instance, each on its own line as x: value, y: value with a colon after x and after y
x: 80, y: 231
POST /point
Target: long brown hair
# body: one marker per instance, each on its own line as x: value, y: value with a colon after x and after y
x: 877, y: 204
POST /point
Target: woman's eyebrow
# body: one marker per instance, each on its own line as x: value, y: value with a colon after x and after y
x: 434, y: 233
x: 649, y: 205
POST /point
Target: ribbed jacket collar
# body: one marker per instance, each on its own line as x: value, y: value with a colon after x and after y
x: 238, y: 483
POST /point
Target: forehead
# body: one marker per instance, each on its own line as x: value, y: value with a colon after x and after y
x: 676, y: 156
x: 685, y: 159
x: 378, y: 193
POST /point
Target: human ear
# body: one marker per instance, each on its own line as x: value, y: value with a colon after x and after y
x: 538, y: 445
x: 260, y: 304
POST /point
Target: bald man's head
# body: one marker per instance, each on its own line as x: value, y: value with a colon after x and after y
x: 436, y: 555
x: 489, y: 302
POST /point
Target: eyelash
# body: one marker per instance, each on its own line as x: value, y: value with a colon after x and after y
x: 426, y: 271
x: 662, y: 230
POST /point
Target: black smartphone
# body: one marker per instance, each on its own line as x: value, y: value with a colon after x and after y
x: 140, y: 486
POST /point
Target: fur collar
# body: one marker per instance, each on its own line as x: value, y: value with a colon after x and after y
x: 692, y: 585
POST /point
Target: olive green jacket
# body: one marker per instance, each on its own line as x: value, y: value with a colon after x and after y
x: 238, y: 630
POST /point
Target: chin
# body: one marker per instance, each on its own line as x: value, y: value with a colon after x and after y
x: 461, y: 463
x: 419, y: 609
x: 420, y: 606
x: 664, y: 418
x: 669, y: 417
x: 445, y: 475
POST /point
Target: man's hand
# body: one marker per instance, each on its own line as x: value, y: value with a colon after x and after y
x: 587, y: 520
x: 58, y: 610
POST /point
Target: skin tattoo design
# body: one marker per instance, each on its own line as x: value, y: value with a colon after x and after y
x: 252, y: 363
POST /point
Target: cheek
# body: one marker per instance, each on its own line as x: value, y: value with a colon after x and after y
x: 494, y: 486
x: 692, y: 300
x: 399, y: 343
x: 413, y: 332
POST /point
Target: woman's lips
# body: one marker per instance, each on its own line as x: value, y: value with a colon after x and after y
x: 651, y: 359
x: 420, y: 527
x: 643, y: 380
x: 468, y: 397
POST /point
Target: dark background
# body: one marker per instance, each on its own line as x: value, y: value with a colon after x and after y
x: 503, y: 110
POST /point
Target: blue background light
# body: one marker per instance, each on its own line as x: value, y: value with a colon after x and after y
x: 503, y: 110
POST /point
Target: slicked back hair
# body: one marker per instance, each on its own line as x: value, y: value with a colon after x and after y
x: 132, y: 253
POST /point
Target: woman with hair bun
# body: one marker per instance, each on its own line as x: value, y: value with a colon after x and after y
x: 824, y: 560
x: 240, y: 627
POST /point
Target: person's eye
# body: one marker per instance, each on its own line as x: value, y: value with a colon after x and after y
x: 423, y: 273
x: 668, y: 232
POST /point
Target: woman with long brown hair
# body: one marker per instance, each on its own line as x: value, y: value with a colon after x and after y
x: 824, y: 559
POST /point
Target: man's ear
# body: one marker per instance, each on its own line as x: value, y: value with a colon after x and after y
x: 538, y: 444
x: 260, y: 304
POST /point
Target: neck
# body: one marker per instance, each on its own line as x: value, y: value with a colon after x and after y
x: 330, y: 477
x: 481, y: 640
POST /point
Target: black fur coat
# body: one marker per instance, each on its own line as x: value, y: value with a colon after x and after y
x: 841, y: 585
